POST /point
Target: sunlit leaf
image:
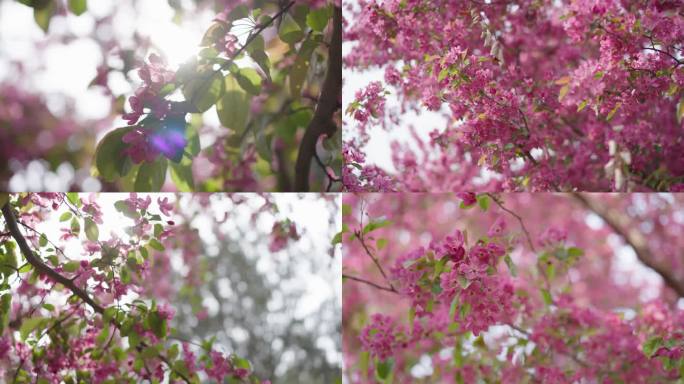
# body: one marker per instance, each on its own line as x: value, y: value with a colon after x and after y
x: 78, y: 6
x: 91, y: 230
x: 233, y: 108
x: 151, y: 176
x: 289, y: 31
x: 110, y: 157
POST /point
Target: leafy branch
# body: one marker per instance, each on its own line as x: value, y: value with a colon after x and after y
x: 44, y: 269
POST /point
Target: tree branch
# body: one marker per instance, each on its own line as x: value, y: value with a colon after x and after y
x: 372, y: 284
x: 328, y: 102
x: 43, y: 268
x: 517, y: 217
x: 634, y: 239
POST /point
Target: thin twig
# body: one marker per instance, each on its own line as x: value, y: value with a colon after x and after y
x: 331, y: 178
x: 372, y: 284
x: 237, y: 53
x: 517, y: 217
x: 359, y: 235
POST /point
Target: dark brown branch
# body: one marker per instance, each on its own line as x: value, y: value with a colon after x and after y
x: 372, y: 284
x: 331, y: 178
x: 634, y: 239
x: 329, y: 101
x: 39, y: 265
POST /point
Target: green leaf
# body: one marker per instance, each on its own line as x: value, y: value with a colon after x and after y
x: 75, y: 226
x: 249, y: 80
x: 289, y: 31
x: 381, y: 243
x: 192, y: 136
x: 652, y: 345
x: 72, y: 266
x: 317, y: 19
x: 151, y: 176
x: 257, y: 53
x: 582, y: 105
x: 383, y: 369
x: 181, y: 175
x: 300, y: 68
x: 125, y: 275
x: 91, y: 230
x: 242, y: 363
x: 680, y: 111
x: 546, y: 295
x: 110, y: 157
x: 65, y: 216
x: 43, y: 15
x: 575, y: 252
x: 157, y: 324
x: 346, y: 209
x: 5, y: 304
x: 337, y: 238
x: 483, y: 202
x: 453, y: 308
x: 43, y: 241
x: 215, y: 32
x: 233, y: 108
x: 73, y: 198
x: 30, y: 325
x: 49, y: 307
x: 511, y: 266
x: 158, y: 229
x: 78, y: 6
x: 204, y: 89
x: 373, y: 225
x: 613, y: 112
x: 155, y: 244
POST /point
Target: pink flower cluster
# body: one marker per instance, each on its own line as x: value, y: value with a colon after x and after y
x: 379, y: 337
x: 155, y: 75
x: 281, y: 234
x: 537, y: 94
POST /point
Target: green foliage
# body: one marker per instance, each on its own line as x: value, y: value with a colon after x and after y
x: 290, y: 31
x: 181, y: 175
x: 91, y: 230
x: 375, y: 224
x: 110, y: 157
x: 652, y: 345
x: 155, y: 244
x: 204, y: 88
x: 32, y: 324
x: 233, y: 108
x: 249, y: 80
x: 5, y: 305
x: 383, y: 370
x: 317, y: 19
x: 157, y: 324
x: 78, y: 7
x: 65, y: 216
x: 151, y: 175
x: 301, y: 66
x: 71, y: 266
